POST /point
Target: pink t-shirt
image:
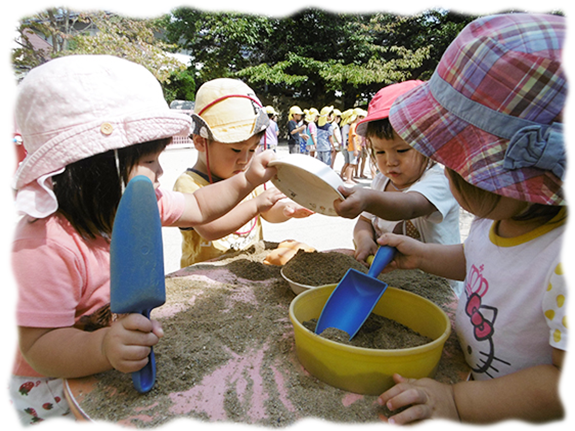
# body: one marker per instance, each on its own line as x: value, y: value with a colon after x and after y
x: 63, y: 278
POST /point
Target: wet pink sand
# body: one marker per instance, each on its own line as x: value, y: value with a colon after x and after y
x: 214, y: 387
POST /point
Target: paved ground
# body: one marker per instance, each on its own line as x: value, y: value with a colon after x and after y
x: 319, y: 231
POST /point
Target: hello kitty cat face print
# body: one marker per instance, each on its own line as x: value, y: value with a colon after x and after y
x: 482, y: 318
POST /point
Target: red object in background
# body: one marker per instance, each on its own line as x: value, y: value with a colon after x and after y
x: 15, y: 153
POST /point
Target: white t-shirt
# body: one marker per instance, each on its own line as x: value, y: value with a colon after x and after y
x: 513, y: 309
x: 439, y: 227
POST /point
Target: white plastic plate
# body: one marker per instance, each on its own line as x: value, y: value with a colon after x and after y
x: 308, y: 181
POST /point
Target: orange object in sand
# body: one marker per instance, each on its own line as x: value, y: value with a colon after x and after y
x: 285, y: 251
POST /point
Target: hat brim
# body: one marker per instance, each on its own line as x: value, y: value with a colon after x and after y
x: 419, y: 119
x: 60, y: 151
x: 361, y: 128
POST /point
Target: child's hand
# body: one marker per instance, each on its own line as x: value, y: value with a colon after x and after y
x: 294, y: 210
x: 426, y: 397
x: 363, y: 251
x: 268, y: 199
x: 409, y: 253
x: 354, y: 203
x: 258, y: 171
x: 127, y: 344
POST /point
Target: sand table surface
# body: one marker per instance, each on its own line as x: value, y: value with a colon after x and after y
x: 228, y: 354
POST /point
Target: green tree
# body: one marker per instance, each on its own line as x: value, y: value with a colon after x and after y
x: 314, y: 57
x: 56, y: 26
x: 72, y: 33
x: 320, y: 52
x: 181, y: 85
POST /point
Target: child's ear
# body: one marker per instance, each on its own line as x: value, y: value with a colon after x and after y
x: 200, y: 143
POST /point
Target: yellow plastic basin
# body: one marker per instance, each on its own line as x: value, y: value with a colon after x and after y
x: 370, y: 371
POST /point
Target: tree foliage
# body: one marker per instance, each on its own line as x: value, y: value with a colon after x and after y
x: 74, y: 33
x: 314, y: 57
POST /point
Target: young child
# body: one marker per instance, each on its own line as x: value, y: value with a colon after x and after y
x: 269, y: 140
x: 410, y: 195
x: 295, y: 129
x: 353, y: 144
x: 498, y: 131
x: 228, y: 124
x: 90, y: 124
x: 344, y: 125
x: 310, y: 120
x: 336, y: 136
x: 325, y: 138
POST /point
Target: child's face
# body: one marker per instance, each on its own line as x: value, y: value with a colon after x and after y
x: 397, y: 160
x: 149, y: 166
x: 227, y: 160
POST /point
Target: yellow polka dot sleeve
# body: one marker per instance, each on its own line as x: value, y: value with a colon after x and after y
x: 555, y: 308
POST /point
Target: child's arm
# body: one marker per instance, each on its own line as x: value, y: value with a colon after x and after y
x: 240, y: 215
x: 331, y: 142
x: 386, y: 205
x: 444, y: 260
x: 70, y: 352
x: 531, y: 394
x: 213, y: 201
x: 363, y: 238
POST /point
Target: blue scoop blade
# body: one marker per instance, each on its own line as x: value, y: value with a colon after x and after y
x: 137, y: 283
x: 355, y: 297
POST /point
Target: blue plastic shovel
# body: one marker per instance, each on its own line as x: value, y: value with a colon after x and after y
x: 354, y: 298
x: 137, y: 262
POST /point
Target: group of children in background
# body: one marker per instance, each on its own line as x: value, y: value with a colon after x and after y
x: 326, y: 133
x: 483, y: 133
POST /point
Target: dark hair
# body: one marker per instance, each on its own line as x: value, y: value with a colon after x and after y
x: 89, y: 190
x: 485, y: 201
x: 380, y: 128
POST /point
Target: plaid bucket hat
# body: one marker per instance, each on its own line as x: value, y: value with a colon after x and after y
x: 228, y: 111
x: 492, y: 109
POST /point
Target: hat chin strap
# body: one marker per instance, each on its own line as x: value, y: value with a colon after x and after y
x: 208, y: 162
x: 122, y: 185
x: 531, y: 144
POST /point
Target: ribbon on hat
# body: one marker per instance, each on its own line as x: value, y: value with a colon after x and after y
x: 530, y: 144
x: 37, y: 199
x: 539, y: 147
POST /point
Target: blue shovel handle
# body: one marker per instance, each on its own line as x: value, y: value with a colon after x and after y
x: 145, y: 378
x: 383, y: 256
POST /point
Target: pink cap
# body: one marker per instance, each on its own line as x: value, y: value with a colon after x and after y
x: 381, y: 103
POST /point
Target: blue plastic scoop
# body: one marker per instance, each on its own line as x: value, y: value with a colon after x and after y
x: 137, y: 262
x: 354, y: 298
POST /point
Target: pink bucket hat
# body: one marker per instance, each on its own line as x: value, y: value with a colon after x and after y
x: 227, y: 110
x: 380, y: 105
x: 492, y: 108
x: 75, y: 107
